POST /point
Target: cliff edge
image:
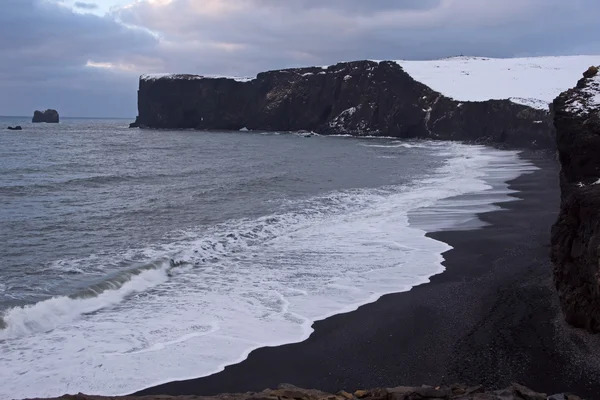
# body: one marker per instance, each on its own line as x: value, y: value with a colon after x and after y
x: 356, y: 98
x: 576, y: 233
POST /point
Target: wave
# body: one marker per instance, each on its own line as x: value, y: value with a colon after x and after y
x: 48, y: 314
x: 396, y: 145
x: 240, y: 285
x: 94, y: 180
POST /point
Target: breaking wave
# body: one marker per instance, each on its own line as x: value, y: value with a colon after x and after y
x: 211, y: 294
x: 49, y: 314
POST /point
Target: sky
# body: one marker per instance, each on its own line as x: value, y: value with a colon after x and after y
x: 84, y: 57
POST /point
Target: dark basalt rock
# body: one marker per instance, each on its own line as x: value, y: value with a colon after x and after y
x: 136, y: 123
x: 289, y: 392
x: 358, y: 98
x: 15, y: 128
x: 48, y: 116
x: 576, y: 233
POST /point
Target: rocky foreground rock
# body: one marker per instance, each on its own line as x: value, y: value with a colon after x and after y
x: 356, y: 98
x: 576, y: 233
x: 49, y: 116
x: 289, y: 392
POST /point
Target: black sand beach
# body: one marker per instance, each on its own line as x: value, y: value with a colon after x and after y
x: 492, y: 318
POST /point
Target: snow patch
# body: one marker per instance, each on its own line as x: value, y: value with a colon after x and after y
x: 587, y: 99
x: 190, y: 77
x: 533, y: 103
x: 531, y: 81
x: 154, y: 77
x: 340, y: 120
x: 347, y: 78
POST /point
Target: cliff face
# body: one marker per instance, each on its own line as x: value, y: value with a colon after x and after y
x: 576, y: 233
x: 358, y: 98
x: 48, y: 116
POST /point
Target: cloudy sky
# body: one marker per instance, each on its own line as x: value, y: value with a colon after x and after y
x: 84, y: 57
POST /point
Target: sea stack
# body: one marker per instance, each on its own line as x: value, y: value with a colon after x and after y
x: 48, y: 116
x: 576, y: 233
x: 356, y: 98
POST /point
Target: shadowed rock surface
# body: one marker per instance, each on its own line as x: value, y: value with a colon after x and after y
x: 136, y: 123
x: 357, y: 98
x: 289, y: 392
x: 48, y: 116
x: 576, y: 233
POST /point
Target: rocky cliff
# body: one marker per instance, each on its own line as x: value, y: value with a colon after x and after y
x: 576, y: 233
x: 358, y: 98
x: 48, y: 116
x: 289, y: 392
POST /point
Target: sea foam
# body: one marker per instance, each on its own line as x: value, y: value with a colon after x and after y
x: 248, y: 283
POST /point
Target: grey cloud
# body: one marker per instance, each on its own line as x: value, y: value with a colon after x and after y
x: 352, y: 6
x: 86, y: 6
x: 304, y: 31
x: 45, y: 46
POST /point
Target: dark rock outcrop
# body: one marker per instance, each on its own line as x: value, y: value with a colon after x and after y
x: 358, y: 98
x: 289, y: 392
x: 15, y: 128
x: 576, y: 233
x: 48, y: 116
x: 136, y: 123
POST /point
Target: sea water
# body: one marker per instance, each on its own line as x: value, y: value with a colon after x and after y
x: 132, y: 258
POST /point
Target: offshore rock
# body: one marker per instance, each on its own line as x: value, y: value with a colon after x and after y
x: 355, y: 98
x: 576, y: 233
x: 15, y: 128
x: 48, y: 116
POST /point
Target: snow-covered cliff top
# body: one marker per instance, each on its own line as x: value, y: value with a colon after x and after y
x: 533, y: 81
x: 585, y: 99
x: 152, y: 77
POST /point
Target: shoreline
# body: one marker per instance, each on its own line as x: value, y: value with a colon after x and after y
x: 470, y: 324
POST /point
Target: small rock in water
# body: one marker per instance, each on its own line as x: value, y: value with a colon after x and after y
x: 136, y: 123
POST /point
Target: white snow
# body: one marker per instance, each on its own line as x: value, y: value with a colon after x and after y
x: 341, y: 118
x: 244, y: 129
x: 347, y: 77
x: 308, y: 74
x: 152, y: 77
x: 588, y: 98
x: 533, y: 81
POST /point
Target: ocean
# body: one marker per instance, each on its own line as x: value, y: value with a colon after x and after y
x: 137, y: 257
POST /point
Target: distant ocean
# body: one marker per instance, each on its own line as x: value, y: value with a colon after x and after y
x: 136, y: 257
